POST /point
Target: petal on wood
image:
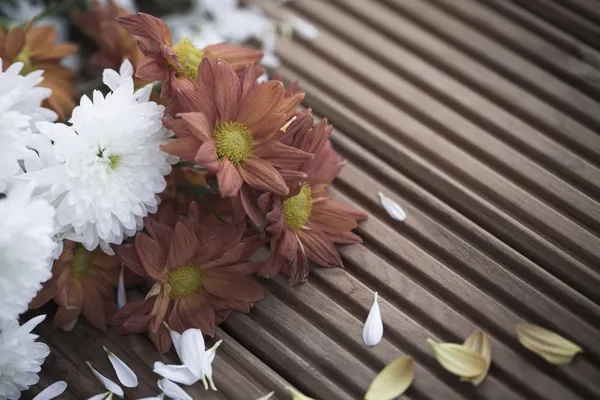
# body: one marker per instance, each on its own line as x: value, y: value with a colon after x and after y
x: 480, y: 342
x: 52, y: 391
x: 549, y: 345
x: 265, y: 397
x: 107, y: 383
x: 373, y: 330
x: 176, y: 373
x: 296, y: 395
x: 458, y: 359
x: 393, y: 380
x: 126, y: 376
x: 172, y: 390
x: 192, y: 350
x: 391, y: 207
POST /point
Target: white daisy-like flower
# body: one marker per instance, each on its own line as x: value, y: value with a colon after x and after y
x: 21, y: 357
x: 20, y: 108
x: 108, y: 165
x: 26, y: 246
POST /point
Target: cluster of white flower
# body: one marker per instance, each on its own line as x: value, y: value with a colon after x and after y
x: 92, y: 181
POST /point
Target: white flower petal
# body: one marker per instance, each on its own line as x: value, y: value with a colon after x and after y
x: 305, y: 29
x: 209, y: 356
x: 126, y: 68
x: 266, y: 396
x: 176, y: 373
x: 159, y: 397
x: 107, y: 383
x: 121, y: 296
x: 192, y: 350
x: 52, y: 391
x: 392, y: 208
x: 172, y: 390
x: 101, y: 396
x: 373, y: 330
x: 126, y: 376
x: 176, y: 339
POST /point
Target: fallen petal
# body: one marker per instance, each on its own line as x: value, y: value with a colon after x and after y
x: 373, y: 330
x: 480, y: 342
x: 52, y: 391
x: 107, y: 383
x: 392, y: 208
x: 296, y: 395
x: 101, y: 396
x: 126, y: 376
x: 458, y: 359
x: 393, y: 380
x: 121, y: 296
x: 266, y: 396
x: 176, y: 339
x: 549, y: 345
x: 176, y: 373
x: 172, y: 390
x: 209, y: 356
x: 159, y: 397
x: 192, y: 350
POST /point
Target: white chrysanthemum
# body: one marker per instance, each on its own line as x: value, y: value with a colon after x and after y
x: 20, y: 108
x: 109, y: 168
x: 26, y: 246
x: 21, y: 357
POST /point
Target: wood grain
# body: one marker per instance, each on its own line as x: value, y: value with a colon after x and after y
x: 481, y: 118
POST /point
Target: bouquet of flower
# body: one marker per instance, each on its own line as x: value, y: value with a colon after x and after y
x: 169, y: 179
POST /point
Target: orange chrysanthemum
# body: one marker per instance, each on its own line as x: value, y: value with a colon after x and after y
x: 35, y: 48
x: 198, y: 278
x: 306, y: 224
x: 232, y: 126
x: 177, y: 65
x: 114, y: 42
x: 82, y: 282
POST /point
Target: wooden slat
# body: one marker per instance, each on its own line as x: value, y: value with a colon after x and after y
x: 482, y: 119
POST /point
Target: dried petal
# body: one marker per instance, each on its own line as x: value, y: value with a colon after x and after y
x: 393, y: 380
x: 126, y: 376
x: 458, y: 359
x: 107, y: 383
x: 552, y: 347
x: 479, y: 342
x: 392, y: 208
x: 296, y: 395
x: 373, y: 330
x: 52, y: 391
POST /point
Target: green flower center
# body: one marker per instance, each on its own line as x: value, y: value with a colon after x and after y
x: 190, y: 58
x: 296, y: 209
x: 232, y: 140
x: 26, y: 60
x: 185, y: 280
x: 82, y: 262
x: 113, y: 160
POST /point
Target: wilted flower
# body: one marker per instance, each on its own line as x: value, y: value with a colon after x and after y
x: 35, y: 48
x: 26, y: 247
x: 108, y: 167
x: 21, y: 357
x: 82, y: 282
x: 194, y: 276
x: 232, y: 126
x: 115, y: 43
x: 306, y: 223
x: 177, y: 65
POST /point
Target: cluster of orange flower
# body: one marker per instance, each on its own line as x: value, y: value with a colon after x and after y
x: 260, y: 161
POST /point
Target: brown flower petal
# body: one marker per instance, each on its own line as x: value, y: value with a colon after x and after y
x: 15, y: 40
x: 151, y: 69
x: 227, y: 87
x: 199, y: 124
x: 160, y: 232
x: 184, y: 147
x: 250, y: 206
x: 229, y: 179
x: 57, y: 52
x: 183, y: 246
x: 147, y: 26
x: 237, y: 56
x: 207, y: 156
x: 233, y: 287
x: 331, y: 217
x: 288, y: 244
x: 200, y: 315
x: 151, y: 255
x: 345, y: 238
x: 161, y: 339
x: 319, y: 248
x: 282, y: 156
x: 258, y: 103
x: 263, y: 176
x: 248, y: 268
x: 128, y: 254
x: 93, y: 310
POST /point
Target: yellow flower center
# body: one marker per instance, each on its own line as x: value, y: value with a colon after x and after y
x: 232, y: 140
x: 185, y: 280
x: 190, y: 58
x: 297, y: 209
x: 26, y: 60
x: 82, y: 262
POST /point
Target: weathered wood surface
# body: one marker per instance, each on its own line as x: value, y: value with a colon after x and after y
x: 482, y: 119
